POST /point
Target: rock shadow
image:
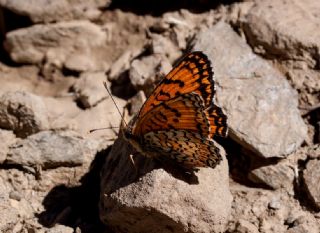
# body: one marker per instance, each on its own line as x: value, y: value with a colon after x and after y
x: 77, y: 207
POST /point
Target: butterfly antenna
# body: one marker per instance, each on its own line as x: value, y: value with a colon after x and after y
x: 93, y: 130
x: 105, y: 85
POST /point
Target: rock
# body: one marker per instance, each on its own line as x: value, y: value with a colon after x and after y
x: 276, y: 176
x: 23, y: 112
x: 48, y: 150
x: 288, y: 30
x: 164, y: 46
x: 89, y: 89
x: 136, y: 102
x: 58, y: 44
x: 60, y: 229
x: 7, y: 138
x: 104, y: 115
x: 8, y: 213
x: 58, y: 10
x: 311, y: 177
x: 146, y: 72
x: 274, y: 204
x: 122, y: 64
x: 141, y: 198
x: 244, y: 226
x: 18, y: 78
x: 260, y: 104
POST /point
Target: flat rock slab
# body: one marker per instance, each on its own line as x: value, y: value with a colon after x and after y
x: 149, y: 199
x: 74, y: 44
x: 58, y: 10
x: 260, y: 104
x: 23, y: 112
x: 311, y: 177
x: 48, y: 149
x: 7, y: 138
x: 289, y: 29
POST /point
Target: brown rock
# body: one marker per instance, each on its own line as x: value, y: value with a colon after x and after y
x: 146, y: 72
x: 23, y: 112
x: 89, y: 89
x: 286, y: 29
x: 144, y: 198
x: 244, y: 226
x: 7, y: 138
x: 311, y: 177
x: 57, y: 44
x: 276, y: 176
x: 260, y: 104
x: 58, y: 10
x: 48, y: 150
x: 122, y: 64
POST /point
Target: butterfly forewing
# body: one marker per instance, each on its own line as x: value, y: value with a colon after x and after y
x: 183, y: 112
x: 192, y: 74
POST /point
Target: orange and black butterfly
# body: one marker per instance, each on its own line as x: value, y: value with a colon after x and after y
x: 179, y: 119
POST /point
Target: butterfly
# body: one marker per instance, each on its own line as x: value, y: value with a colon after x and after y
x: 179, y: 119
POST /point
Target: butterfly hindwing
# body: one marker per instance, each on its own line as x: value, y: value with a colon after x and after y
x: 187, y: 148
x: 218, y: 121
x: 192, y: 74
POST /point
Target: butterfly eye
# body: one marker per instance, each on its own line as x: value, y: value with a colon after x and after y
x: 127, y: 134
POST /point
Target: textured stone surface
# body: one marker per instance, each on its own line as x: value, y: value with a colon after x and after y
x: 244, y: 226
x: 149, y: 199
x: 90, y: 89
x: 7, y: 138
x: 289, y: 29
x: 58, y: 10
x: 311, y: 177
x: 145, y: 73
x: 48, y: 150
x: 57, y: 44
x: 23, y: 112
x: 260, y: 105
x: 276, y: 176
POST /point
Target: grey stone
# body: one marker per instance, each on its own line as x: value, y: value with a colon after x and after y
x: 48, y: 149
x: 60, y: 229
x: 244, y: 226
x: 311, y: 177
x: 57, y: 44
x: 142, y: 198
x: 146, y: 72
x: 7, y: 138
x: 260, y: 104
x: 276, y: 176
x: 23, y: 112
x: 89, y: 89
x: 286, y: 29
x: 122, y: 64
x: 58, y: 10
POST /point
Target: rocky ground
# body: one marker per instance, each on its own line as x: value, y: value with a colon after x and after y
x: 57, y: 177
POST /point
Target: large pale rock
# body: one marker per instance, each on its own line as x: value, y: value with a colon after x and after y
x: 48, y: 150
x: 75, y: 44
x: 23, y: 112
x: 289, y: 29
x: 146, y: 72
x: 145, y: 198
x: 276, y: 176
x: 260, y: 104
x: 7, y: 138
x: 311, y: 177
x: 58, y: 10
x: 89, y: 89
